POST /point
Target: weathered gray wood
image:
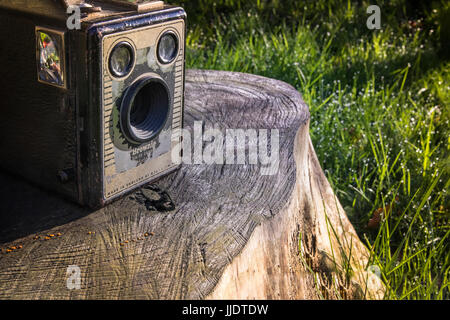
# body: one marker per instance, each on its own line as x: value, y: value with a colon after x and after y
x: 233, y: 233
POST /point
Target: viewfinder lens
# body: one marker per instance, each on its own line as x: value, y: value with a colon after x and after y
x: 121, y: 60
x: 167, y: 48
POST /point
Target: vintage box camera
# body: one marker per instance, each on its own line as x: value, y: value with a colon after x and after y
x: 91, y: 93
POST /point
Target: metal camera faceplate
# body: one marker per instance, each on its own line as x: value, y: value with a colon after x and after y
x: 128, y: 164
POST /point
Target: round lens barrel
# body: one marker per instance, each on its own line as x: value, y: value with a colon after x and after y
x: 145, y: 109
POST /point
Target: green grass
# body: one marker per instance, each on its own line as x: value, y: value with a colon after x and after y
x: 379, y: 102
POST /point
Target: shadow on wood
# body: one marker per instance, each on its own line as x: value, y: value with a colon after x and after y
x: 27, y: 210
x: 205, y: 231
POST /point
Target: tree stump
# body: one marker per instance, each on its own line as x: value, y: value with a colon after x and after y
x: 205, y: 231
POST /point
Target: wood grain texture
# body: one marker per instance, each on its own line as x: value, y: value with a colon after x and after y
x: 205, y: 231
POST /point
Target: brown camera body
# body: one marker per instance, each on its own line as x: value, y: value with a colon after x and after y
x: 96, y: 111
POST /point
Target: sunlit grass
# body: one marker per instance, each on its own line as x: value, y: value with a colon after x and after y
x: 379, y: 102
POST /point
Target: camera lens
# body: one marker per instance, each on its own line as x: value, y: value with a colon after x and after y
x: 167, y: 47
x: 145, y: 109
x: 121, y: 59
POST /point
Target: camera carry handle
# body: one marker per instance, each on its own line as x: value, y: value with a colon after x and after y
x: 136, y: 5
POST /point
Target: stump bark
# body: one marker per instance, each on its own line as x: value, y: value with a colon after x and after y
x: 205, y: 231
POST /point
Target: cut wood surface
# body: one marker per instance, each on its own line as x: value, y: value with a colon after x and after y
x: 205, y: 231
